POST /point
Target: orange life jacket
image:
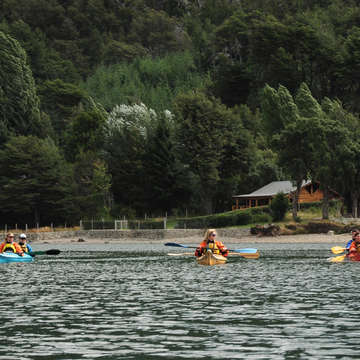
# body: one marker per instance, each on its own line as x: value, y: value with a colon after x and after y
x: 11, y: 247
x: 354, y: 252
x: 217, y: 247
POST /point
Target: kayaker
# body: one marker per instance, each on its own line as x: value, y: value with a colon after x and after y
x: 9, y: 245
x: 210, y: 243
x: 23, y: 243
x: 354, y: 250
x: 354, y: 232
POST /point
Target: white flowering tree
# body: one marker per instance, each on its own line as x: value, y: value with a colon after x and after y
x: 128, y: 130
x: 133, y: 117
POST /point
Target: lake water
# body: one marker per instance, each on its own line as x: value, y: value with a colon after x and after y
x: 132, y: 301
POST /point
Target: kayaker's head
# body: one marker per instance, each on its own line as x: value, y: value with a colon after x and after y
x: 9, y: 238
x: 357, y: 238
x: 354, y: 232
x: 22, y: 239
x: 210, y: 235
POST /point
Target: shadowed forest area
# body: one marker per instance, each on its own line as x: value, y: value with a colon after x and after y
x: 113, y: 108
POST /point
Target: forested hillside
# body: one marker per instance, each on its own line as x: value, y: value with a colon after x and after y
x: 112, y: 108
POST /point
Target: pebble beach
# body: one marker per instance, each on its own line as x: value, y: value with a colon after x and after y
x: 303, y: 238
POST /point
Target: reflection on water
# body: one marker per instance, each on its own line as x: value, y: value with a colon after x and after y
x: 132, y: 301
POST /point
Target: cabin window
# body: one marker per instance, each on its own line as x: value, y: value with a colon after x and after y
x: 263, y: 202
x: 315, y: 187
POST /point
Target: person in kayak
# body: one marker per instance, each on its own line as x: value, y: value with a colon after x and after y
x: 210, y: 243
x: 354, y: 232
x: 24, y: 245
x: 9, y: 245
x: 354, y: 250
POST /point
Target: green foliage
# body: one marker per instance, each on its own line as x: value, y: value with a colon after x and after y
x: 203, y: 126
x: 19, y: 103
x: 154, y: 82
x: 92, y: 183
x: 149, y: 224
x: 279, y: 207
x: 64, y: 102
x: 84, y: 134
x: 152, y: 52
x: 231, y: 218
x: 168, y: 184
x: 35, y: 182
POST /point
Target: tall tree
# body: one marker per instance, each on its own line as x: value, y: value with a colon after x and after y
x: 292, y: 139
x: 19, y: 103
x: 167, y: 185
x: 35, y: 182
x: 126, y: 134
x: 209, y: 139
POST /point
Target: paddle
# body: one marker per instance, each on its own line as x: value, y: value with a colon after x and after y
x: 46, y: 252
x: 248, y: 256
x: 337, y: 249
x: 338, y: 258
x: 181, y: 254
x: 248, y: 253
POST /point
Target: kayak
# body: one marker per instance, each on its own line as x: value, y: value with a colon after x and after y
x: 8, y: 257
x: 211, y: 259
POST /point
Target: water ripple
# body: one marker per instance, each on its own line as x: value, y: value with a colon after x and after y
x: 138, y: 303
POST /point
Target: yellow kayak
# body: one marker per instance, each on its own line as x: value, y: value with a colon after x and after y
x: 211, y: 259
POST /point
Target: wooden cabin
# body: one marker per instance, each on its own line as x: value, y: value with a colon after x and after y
x: 310, y: 192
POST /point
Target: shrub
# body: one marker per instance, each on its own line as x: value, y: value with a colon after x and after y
x: 231, y: 218
x: 279, y: 206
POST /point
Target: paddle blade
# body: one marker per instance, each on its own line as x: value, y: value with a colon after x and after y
x: 47, y: 252
x: 245, y: 251
x: 175, y: 244
x: 338, y: 258
x: 337, y: 249
x: 52, y: 252
x: 182, y: 254
x: 179, y: 245
x: 247, y: 256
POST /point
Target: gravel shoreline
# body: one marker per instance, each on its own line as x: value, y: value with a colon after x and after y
x: 304, y: 238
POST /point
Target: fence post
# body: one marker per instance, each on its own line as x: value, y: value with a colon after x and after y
x: 165, y: 223
x: 81, y: 225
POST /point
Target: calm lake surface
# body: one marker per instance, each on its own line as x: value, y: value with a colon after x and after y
x: 133, y: 301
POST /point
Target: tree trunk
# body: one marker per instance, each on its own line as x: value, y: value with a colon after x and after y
x: 354, y: 205
x: 207, y: 203
x: 325, y: 204
x: 295, y: 198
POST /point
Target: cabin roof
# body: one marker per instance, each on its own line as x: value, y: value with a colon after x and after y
x: 272, y: 189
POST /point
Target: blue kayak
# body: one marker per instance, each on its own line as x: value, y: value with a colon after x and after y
x: 8, y: 257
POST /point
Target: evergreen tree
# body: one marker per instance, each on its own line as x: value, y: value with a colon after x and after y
x: 211, y: 143
x: 35, y: 182
x: 19, y: 103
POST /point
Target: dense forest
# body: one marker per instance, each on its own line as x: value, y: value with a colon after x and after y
x: 112, y: 108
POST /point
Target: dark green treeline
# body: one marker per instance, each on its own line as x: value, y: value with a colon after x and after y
x: 113, y: 108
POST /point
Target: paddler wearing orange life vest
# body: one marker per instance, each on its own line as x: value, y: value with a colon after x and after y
x: 354, y: 250
x: 210, y: 243
x: 9, y: 245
